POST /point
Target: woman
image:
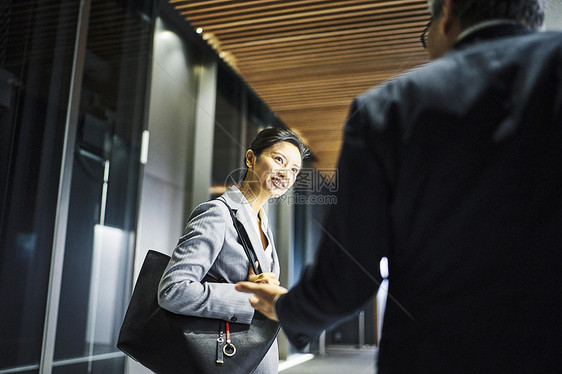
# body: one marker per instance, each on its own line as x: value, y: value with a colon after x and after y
x: 210, y: 244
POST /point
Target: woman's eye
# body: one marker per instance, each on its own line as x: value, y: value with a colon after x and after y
x: 295, y: 170
x: 280, y: 159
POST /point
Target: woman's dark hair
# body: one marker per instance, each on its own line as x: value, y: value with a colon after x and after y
x: 268, y: 137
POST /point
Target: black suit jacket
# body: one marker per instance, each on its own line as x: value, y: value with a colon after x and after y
x: 454, y: 172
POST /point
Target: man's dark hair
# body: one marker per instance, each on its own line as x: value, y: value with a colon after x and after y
x: 469, y: 12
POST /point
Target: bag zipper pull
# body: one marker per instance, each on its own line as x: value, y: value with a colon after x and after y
x: 229, y: 349
x: 220, y: 344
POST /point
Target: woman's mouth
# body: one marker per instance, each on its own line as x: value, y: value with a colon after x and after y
x: 277, y: 183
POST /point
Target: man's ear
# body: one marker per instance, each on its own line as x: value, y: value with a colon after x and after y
x: 250, y: 158
x: 449, y: 15
x: 449, y: 23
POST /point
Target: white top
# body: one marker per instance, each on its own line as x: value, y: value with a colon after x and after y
x: 264, y: 224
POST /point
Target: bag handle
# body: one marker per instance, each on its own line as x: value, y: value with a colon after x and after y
x: 242, y: 239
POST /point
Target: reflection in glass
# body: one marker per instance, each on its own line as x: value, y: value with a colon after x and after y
x: 228, y: 142
x: 107, y: 366
x: 103, y: 197
x: 36, y: 54
x: 109, y: 263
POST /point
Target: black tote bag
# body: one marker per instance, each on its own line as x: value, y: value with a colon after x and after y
x: 169, y: 343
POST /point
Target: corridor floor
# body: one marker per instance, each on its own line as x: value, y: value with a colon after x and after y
x: 338, y: 360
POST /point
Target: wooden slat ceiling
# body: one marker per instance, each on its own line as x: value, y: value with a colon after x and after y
x: 307, y: 59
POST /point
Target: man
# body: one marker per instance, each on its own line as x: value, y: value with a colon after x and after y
x: 454, y: 172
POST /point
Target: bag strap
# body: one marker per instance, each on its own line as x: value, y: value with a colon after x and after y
x: 243, y: 239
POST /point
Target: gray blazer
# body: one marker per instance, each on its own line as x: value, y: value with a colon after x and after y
x: 210, y: 246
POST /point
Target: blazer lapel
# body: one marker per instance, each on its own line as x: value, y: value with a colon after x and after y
x: 235, y: 199
x: 246, y: 220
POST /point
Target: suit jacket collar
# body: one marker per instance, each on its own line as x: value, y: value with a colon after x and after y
x: 495, y: 31
x: 234, y: 198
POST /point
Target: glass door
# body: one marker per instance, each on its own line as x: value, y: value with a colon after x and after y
x: 37, y: 45
x: 104, y: 191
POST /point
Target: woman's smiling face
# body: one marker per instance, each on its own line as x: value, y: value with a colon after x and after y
x: 276, y: 168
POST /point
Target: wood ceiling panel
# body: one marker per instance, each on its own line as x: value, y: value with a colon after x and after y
x: 308, y: 59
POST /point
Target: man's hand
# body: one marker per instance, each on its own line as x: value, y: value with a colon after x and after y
x: 263, y: 297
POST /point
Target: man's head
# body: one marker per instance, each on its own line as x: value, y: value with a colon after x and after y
x: 451, y: 17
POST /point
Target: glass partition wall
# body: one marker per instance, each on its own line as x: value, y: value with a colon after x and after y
x: 103, y: 196
x: 73, y: 88
x: 36, y: 64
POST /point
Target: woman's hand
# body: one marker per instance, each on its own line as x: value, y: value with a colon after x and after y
x: 264, y: 278
x: 263, y: 298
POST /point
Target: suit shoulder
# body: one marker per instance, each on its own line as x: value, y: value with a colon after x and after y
x: 551, y: 40
x: 210, y: 208
x: 395, y: 96
x: 397, y: 84
x: 553, y: 37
